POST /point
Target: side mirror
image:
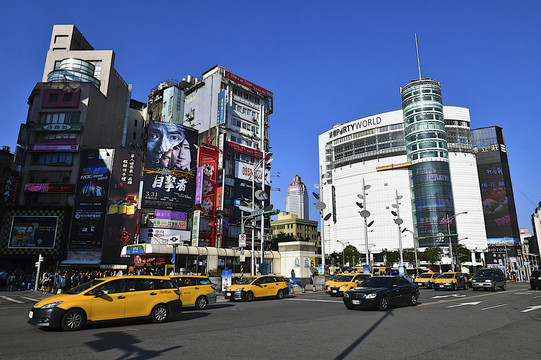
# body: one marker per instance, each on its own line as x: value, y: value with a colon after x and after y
x: 258, y: 285
x: 99, y: 293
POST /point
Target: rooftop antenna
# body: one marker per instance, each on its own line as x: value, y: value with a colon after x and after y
x: 418, y: 62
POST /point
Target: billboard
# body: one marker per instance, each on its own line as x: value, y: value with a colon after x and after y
x: 208, y: 161
x: 165, y: 236
x: 121, y: 219
x: 37, y: 232
x: 170, y: 167
x: 245, y: 171
x: 91, y: 199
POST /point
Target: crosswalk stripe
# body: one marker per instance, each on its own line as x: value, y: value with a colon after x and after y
x: 493, y: 307
x: 29, y: 298
x: 13, y: 300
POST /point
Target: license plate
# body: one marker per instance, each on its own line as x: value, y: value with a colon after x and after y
x: 228, y: 294
x: 355, y: 302
x: 30, y: 314
x: 334, y: 291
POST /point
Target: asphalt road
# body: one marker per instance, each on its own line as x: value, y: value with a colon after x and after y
x: 444, y: 325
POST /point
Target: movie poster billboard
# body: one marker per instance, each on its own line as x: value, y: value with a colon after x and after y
x: 91, y: 199
x: 170, y: 167
x: 37, y: 232
x: 208, y: 160
x: 121, y: 219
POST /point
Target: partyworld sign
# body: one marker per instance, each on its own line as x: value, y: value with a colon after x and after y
x: 355, y: 126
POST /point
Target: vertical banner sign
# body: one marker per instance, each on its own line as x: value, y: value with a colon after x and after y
x: 208, y: 160
x: 222, y: 107
x: 121, y: 219
x: 199, y: 185
x: 170, y: 167
x: 91, y: 199
x: 195, y: 228
x: 221, y: 145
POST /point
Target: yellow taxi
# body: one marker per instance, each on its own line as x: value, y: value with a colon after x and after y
x: 426, y: 280
x: 195, y: 291
x: 109, y: 298
x: 345, y: 282
x: 259, y: 286
x: 451, y: 280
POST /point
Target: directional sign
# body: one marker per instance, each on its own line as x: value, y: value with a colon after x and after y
x: 257, y: 212
x: 445, y: 296
x: 465, y: 304
x: 532, y: 308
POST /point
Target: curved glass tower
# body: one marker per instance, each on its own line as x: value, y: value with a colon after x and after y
x: 74, y: 70
x: 426, y: 148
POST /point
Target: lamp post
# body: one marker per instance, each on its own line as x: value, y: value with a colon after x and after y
x: 320, y: 205
x: 398, y: 221
x: 365, y: 214
x: 415, y: 248
x: 261, y: 195
x: 448, y: 221
x: 343, y: 250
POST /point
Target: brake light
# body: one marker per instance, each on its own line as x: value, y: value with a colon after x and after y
x: 532, y: 277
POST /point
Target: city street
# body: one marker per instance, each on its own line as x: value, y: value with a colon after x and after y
x: 444, y: 325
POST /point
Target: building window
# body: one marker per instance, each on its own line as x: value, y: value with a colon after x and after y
x: 53, y: 97
x: 68, y: 97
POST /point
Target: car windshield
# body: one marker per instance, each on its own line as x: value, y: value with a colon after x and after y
x: 377, y: 282
x: 245, y: 281
x: 437, y: 276
x: 485, y: 273
x: 83, y: 287
x: 447, y: 276
x: 425, y: 276
x: 344, y: 278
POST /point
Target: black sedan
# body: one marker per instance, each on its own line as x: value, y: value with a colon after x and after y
x: 380, y: 292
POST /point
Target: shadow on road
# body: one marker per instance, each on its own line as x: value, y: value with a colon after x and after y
x: 125, y: 342
x: 350, y: 348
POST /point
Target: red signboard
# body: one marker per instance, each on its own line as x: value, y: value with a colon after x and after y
x: 50, y: 188
x: 245, y: 150
x: 244, y: 82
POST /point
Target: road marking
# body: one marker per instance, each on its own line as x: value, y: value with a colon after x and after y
x: 532, y: 308
x: 470, y: 297
x: 315, y: 300
x: 536, y: 297
x: 464, y: 304
x: 446, y: 296
x: 29, y: 298
x: 493, y: 307
x: 11, y: 299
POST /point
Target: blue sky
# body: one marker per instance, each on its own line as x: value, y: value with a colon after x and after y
x: 325, y: 61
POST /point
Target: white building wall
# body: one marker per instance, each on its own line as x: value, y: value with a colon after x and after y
x: 467, y: 197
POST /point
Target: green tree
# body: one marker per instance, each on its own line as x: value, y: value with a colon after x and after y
x: 336, y: 258
x: 351, y: 255
x: 432, y: 254
x: 461, y: 253
x: 390, y: 257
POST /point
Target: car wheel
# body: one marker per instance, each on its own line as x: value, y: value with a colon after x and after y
x: 532, y: 287
x: 453, y: 287
x: 249, y: 296
x: 201, y: 303
x: 494, y: 287
x: 280, y: 294
x: 73, y: 320
x: 159, y: 313
x: 413, y: 300
x: 384, y: 304
x: 350, y: 307
x: 504, y: 286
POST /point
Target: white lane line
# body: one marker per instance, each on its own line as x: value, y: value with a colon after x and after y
x: 314, y: 300
x: 531, y: 308
x: 493, y: 307
x: 536, y: 297
x: 29, y: 298
x: 11, y: 299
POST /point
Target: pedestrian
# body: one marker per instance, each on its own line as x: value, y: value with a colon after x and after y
x: 293, y: 273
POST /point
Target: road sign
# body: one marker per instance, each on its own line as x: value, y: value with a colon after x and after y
x: 242, y: 240
x: 257, y: 212
x: 441, y: 236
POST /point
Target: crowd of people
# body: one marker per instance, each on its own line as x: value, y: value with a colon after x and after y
x: 51, y: 282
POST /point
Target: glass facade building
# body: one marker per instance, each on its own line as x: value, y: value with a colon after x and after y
x: 427, y: 150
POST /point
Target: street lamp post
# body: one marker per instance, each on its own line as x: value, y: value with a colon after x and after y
x: 320, y: 205
x: 398, y: 221
x: 414, y: 247
x: 448, y: 220
x: 343, y: 251
x: 365, y: 214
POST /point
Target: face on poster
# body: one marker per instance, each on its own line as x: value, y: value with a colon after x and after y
x: 33, y: 232
x: 209, y: 162
x: 170, y: 166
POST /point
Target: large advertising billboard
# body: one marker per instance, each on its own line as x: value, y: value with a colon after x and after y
x: 121, y: 219
x: 170, y: 167
x: 91, y: 199
x: 33, y: 232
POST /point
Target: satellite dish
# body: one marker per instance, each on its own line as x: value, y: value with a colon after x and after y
x: 327, y: 217
x: 320, y: 205
x: 398, y: 221
x: 261, y: 195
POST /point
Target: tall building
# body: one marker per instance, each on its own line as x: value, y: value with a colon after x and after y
x: 80, y: 105
x: 503, y: 234
x: 297, y: 198
x: 388, y: 151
